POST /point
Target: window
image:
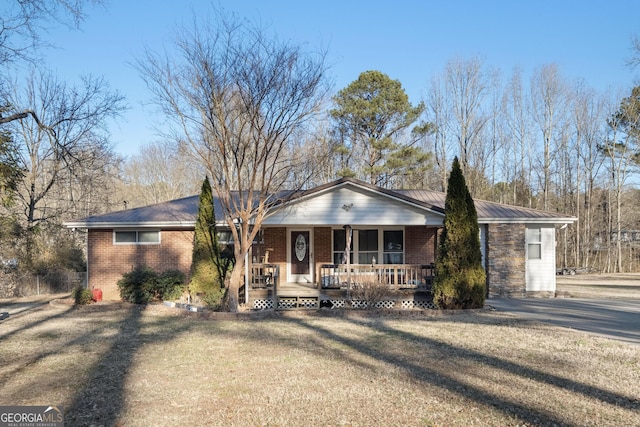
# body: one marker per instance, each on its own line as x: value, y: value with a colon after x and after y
x: 368, y: 247
x: 136, y: 237
x: 393, y: 247
x: 225, y: 237
x: 339, y: 245
x: 534, y: 243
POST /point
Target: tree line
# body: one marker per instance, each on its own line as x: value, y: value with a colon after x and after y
x: 258, y: 116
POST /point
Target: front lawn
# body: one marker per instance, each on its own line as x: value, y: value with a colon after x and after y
x: 120, y: 364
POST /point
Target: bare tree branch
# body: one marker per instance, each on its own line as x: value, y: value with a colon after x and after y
x: 237, y: 98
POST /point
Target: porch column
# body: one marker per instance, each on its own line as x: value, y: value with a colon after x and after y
x: 246, y: 278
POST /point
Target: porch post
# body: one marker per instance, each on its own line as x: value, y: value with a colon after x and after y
x: 347, y: 249
x: 246, y: 278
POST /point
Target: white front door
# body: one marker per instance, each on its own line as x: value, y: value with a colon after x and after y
x: 299, y: 256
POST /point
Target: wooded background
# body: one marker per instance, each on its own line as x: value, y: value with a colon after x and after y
x: 526, y: 137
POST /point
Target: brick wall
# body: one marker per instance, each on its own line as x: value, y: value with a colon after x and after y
x: 420, y: 243
x: 108, y: 262
x: 506, y: 267
x: 323, y: 251
x: 275, y: 240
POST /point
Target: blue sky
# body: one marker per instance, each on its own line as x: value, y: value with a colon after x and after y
x: 408, y: 40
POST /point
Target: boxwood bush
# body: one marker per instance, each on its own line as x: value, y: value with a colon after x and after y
x: 170, y: 285
x: 81, y: 295
x: 143, y: 285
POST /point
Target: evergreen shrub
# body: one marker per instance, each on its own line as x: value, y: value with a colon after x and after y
x: 170, y: 285
x: 81, y: 295
x: 138, y: 286
x: 143, y: 285
x: 460, y: 280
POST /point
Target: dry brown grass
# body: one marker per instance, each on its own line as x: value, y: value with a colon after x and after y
x: 118, y: 364
x: 614, y: 286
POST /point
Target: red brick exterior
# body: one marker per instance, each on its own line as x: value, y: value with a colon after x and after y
x: 420, y: 245
x: 323, y: 251
x: 107, y: 262
x: 275, y: 241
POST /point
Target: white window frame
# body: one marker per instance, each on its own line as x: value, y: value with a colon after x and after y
x: 380, y: 254
x: 137, y: 241
x: 534, y: 239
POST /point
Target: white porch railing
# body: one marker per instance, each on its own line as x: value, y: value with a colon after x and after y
x: 263, y: 275
x: 397, y: 276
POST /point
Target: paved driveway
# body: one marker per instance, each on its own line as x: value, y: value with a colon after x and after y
x: 616, y: 319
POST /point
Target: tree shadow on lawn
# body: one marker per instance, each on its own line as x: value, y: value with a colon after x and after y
x: 429, y: 375
x: 102, y: 399
x: 29, y: 311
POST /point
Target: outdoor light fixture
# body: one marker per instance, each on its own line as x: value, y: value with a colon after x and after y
x: 347, y: 207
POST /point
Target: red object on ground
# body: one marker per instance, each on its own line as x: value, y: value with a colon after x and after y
x: 97, y: 295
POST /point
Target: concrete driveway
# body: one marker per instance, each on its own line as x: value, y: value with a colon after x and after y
x: 616, y: 319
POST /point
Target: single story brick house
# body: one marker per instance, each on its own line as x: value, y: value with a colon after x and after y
x: 313, y: 245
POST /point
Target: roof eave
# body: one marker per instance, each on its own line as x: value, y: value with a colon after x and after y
x: 527, y: 220
x: 136, y: 224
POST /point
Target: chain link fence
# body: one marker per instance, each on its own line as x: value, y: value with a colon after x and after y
x: 14, y: 283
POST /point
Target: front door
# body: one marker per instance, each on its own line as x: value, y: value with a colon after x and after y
x: 300, y: 270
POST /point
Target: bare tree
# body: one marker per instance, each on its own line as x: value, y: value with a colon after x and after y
x: 622, y: 147
x: 634, y: 60
x: 161, y: 171
x: 496, y: 143
x: 518, y: 122
x: 237, y: 98
x: 74, y: 138
x: 22, y: 23
x: 439, y: 113
x: 467, y: 87
x: 587, y: 122
x: 549, y: 103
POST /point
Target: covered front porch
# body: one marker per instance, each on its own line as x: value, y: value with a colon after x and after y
x: 389, y: 286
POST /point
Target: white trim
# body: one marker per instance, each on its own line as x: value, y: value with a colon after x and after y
x: 527, y: 220
x: 136, y: 225
x: 381, y: 229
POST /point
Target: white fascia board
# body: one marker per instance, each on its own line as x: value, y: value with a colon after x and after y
x: 527, y: 220
x: 160, y: 224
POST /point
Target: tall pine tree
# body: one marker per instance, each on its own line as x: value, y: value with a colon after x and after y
x: 207, y: 279
x: 460, y: 280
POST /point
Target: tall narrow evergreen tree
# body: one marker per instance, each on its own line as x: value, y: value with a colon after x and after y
x: 206, y: 274
x: 460, y: 280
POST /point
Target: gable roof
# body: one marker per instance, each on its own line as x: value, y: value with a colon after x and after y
x: 181, y: 213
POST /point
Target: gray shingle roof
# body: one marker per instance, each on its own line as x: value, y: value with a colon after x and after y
x: 182, y: 212
x: 491, y: 211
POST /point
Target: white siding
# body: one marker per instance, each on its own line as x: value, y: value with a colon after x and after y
x: 541, y: 273
x: 354, y: 206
